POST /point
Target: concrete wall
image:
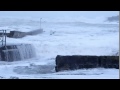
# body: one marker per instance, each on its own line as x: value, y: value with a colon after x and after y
x: 79, y: 62
x: 17, y: 52
x: 19, y: 34
x: 16, y: 34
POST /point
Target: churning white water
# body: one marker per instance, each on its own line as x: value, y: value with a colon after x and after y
x: 26, y: 51
x: 11, y: 55
x: 61, y: 36
x: 19, y: 52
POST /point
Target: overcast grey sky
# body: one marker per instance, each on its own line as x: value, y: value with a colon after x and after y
x: 88, y: 14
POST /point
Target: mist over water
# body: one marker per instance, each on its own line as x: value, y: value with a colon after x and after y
x: 94, y: 17
x: 60, y: 33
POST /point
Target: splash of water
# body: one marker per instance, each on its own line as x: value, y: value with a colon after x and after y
x: 18, y: 52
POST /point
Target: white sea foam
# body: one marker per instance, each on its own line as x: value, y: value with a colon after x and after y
x: 63, y: 36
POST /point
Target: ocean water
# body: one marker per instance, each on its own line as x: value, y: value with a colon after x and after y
x: 61, y: 36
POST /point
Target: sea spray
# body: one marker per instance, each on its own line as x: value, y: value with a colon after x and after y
x: 17, y: 52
